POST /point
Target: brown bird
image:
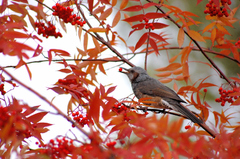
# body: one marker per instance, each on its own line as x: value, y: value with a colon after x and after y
x: 160, y: 95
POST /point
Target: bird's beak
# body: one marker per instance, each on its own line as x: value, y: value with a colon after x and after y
x: 123, y: 70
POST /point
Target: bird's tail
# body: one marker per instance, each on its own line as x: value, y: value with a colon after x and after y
x: 185, y: 111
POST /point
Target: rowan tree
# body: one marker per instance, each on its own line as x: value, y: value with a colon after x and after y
x: 195, y: 50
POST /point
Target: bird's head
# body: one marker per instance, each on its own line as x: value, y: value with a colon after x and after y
x: 134, y: 73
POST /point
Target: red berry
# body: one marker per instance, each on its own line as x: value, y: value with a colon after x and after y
x: 205, y: 90
x: 187, y: 126
x: 120, y: 69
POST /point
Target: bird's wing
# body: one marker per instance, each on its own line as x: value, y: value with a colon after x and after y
x: 153, y: 87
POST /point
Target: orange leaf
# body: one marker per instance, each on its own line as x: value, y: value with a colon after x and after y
x: 173, y: 58
x: 178, y: 71
x: 123, y: 4
x: 208, y: 27
x: 165, y: 80
x: 180, y: 37
x: 114, y: 2
x: 97, y: 46
x: 213, y: 35
x: 97, y: 30
x: 85, y: 42
x: 116, y: 19
x: 196, y: 36
x: 164, y: 74
x: 59, y: 52
x: 171, y: 67
x: 105, y: 14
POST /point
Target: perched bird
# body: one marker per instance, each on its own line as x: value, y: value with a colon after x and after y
x: 153, y: 90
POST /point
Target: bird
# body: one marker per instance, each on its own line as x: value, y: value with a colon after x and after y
x: 159, y: 95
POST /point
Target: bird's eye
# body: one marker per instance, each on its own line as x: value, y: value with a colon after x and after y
x: 131, y: 71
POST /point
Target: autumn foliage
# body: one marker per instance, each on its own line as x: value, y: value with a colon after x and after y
x: 122, y: 128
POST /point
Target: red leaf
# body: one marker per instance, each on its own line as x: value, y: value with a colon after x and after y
x: 90, y: 5
x: 60, y: 52
x: 38, y: 51
x: 198, y: 1
x: 58, y: 90
x: 4, y: 5
x: 154, y: 45
x: 138, y: 26
x: 65, y: 70
x: 154, y: 15
x: 159, y: 25
x: 30, y: 110
x: 95, y: 105
x: 156, y: 36
x: 141, y: 41
x: 134, y: 18
x: 102, y: 90
x: 111, y: 89
x: 49, y: 56
x: 147, y: 5
x: 41, y: 125
x: 37, y: 117
x: 133, y: 8
x: 14, y: 34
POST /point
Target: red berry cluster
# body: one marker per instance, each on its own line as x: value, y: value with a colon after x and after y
x: 59, y: 148
x: 73, y: 86
x: 119, y: 108
x: 237, y: 43
x: 5, y: 120
x: 47, y: 31
x: 65, y: 13
x: 111, y: 144
x: 80, y: 119
x: 148, y: 25
x: 3, y: 92
x: 225, y: 96
x: 213, y: 10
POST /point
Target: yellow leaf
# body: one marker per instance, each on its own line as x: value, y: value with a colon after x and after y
x: 196, y: 36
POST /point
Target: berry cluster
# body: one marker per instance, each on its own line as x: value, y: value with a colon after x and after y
x: 5, y: 120
x: 148, y: 25
x: 47, y: 31
x: 59, y: 148
x: 213, y: 10
x: 80, y: 119
x: 237, y: 43
x: 225, y: 96
x: 111, y: 144
x: 73, y: 86
x: 3, y: 92
x: 119, y: 108
x: 65, y: 13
